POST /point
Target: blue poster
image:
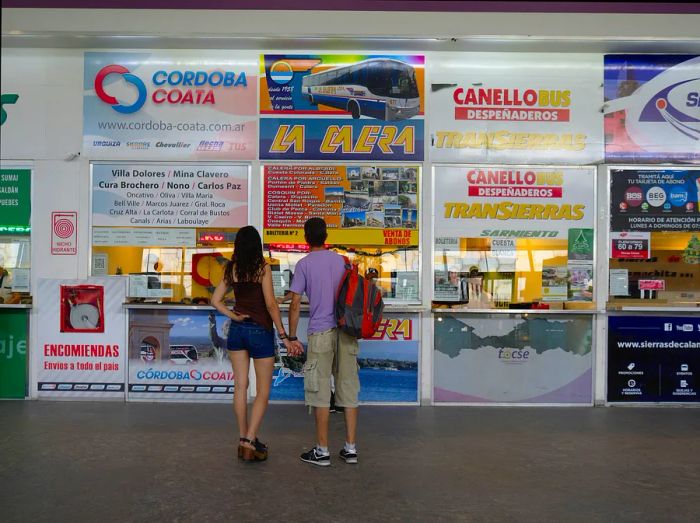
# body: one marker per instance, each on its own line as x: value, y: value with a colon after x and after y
x: 653, y: 359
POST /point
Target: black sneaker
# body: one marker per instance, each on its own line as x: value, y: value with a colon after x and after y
x: 315, y: 457
x: 348, y: 457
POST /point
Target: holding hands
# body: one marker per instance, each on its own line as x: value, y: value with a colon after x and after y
x: 297, y: 349
x: 293, y: 345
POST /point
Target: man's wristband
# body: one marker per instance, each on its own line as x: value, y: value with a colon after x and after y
x: 292, y: 338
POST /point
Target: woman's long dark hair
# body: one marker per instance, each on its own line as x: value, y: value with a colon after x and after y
x: 247, y: 259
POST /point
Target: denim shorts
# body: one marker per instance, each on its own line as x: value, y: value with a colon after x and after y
x: 250, y: 336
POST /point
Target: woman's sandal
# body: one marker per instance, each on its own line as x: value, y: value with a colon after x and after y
x: 259, y: 453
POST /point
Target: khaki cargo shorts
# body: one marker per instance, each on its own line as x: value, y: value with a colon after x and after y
x: 331, y: 352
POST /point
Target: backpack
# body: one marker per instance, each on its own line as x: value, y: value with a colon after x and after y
x: 358, y: 305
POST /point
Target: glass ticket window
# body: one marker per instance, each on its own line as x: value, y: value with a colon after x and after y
x: 371, y: 212
x: 480, y: 273
x: 395, y: 271
x: 666, y: 273
x: 169, y: 273
x: 514, y: 237
x: 654, y: 250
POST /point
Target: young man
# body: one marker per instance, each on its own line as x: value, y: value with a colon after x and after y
x: 330, y: 351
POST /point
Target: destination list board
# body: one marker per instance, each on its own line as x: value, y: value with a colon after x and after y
x: 169, y: 195
x: 361, y: 204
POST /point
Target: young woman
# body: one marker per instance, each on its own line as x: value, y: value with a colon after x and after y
x: 250, y: 334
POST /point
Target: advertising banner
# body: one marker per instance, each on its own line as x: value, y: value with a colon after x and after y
x: 169, y: 195
x: 388, y: 363
x: 341, y: 107
x: 654, y: 359
x: 13, y: 353
x: 179, y: 105
x: 15, y: 201
x: 81, y: 345
x: 655, y: 200
x: 500, y: 359
x: 182, y: 355
x: 362, y: 204
x: 652, y: 108
x: 516, y: 108
x: 512, y: 202
x: 179, y: 355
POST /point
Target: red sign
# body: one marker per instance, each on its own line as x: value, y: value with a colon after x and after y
x: 652, y: 285
x: 209, y: 237
x: 64, y: 233
x: 630, y: 246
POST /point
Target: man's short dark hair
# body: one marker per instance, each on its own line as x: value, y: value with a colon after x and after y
x: 315, y: 232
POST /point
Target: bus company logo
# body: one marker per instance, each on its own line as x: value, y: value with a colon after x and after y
x: 194, y: 375
x: 281, y: 72
x: 507, y: 355
x: 174, y: 87
x: 6, y: 99
x: 173, y: 145
x: 504, y: 104
x: 128, y: 77
x: 137, y: 145
x: 678, y: 105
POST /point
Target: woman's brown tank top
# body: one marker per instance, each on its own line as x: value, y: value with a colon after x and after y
x: 250, y: 300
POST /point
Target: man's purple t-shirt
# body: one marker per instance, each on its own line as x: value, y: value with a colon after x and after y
x: 318, y: 274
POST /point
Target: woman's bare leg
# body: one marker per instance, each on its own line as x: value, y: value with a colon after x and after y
x: 264, y: 368
x: 240, y: 361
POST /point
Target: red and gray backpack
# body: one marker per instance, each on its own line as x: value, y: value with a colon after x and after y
x: 359, y: 304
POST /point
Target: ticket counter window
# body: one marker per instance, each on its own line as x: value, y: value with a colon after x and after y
x: 394, y: 271
x: 492, y: 273
x: 660, y: 269
x: 170, y: 274
x: 514, y: 237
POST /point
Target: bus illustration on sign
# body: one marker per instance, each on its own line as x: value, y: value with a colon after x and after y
x: 380, y: 88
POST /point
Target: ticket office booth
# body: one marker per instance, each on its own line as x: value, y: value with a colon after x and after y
x: 653, y: 347
x: 513, y: 286
x: 372, y: 211
x: 169, y: 228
